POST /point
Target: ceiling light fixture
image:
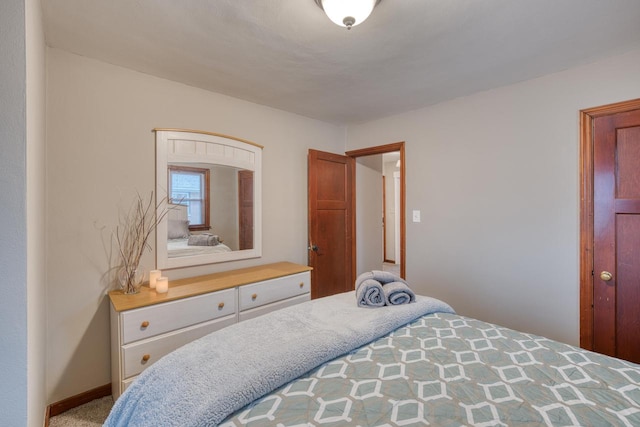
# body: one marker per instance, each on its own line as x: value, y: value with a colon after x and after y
x: 347, y: 13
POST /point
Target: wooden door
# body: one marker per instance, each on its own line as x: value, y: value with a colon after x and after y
x: 245, y: 209
x: 331, y: 223
x: 616, y: 235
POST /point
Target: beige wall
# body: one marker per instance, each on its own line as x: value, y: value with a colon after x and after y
x: 22, y: 252
x: 13, y: 249
x: 496, y: 178
x: 100, y: 150
x: 224, y: 205
x: 35, y: 214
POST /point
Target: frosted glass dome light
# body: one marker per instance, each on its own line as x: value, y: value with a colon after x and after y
x: 347, y: 13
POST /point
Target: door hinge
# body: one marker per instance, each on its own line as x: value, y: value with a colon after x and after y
x: 592, y: 273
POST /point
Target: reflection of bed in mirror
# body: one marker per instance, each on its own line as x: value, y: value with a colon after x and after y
x: 179, y: 236
x: 180, y: 247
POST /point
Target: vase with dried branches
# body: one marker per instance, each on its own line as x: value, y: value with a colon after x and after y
x: 132, y: 238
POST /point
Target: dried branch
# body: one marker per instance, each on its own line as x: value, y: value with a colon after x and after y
x: 132, y: 236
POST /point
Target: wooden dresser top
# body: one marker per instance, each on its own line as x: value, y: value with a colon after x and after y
x: 191, y: 286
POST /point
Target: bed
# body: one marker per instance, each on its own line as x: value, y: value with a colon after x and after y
x: 328, y: 362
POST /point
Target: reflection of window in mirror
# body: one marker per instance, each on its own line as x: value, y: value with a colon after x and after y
x: 189, y: 186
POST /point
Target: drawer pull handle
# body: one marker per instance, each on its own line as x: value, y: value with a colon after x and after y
x: 144, y: 324
x: 146, y: 357
x: 254, y: 296
x: 221, y: 305
x: 301, y: 285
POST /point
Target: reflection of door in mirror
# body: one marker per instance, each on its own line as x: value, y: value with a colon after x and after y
x: 245, y: 199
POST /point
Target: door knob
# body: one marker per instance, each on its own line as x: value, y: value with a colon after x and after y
x: 606, y: 276
x: 313, y: 248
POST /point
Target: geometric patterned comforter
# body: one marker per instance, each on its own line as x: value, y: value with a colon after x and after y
x: 449, y: 370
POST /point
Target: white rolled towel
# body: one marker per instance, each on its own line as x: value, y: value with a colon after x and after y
x: 396, y: 293
x: 369, y: 293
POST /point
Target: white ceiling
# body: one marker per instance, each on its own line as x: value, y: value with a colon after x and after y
x: 288, y: 55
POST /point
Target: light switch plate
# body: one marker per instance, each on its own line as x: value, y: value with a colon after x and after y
x: 416, y: 216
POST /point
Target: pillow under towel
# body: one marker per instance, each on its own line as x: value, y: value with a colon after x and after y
x: 203, y: 240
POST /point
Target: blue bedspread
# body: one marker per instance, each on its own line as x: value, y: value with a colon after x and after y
x: 205, y: 381
x: 446, y: 370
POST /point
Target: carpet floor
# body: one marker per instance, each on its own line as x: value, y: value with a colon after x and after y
x: 92, y: 414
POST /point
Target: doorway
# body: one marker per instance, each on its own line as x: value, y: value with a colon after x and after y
x: 377, y: 228
x: 393, y: 236
x: 610, y: 230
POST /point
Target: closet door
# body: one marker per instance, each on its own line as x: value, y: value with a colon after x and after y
x: 616, y: 221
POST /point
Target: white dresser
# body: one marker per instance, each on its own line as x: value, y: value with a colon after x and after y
x: 148, y: 325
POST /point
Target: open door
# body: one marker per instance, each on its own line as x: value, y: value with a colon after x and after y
x: 331, y: 223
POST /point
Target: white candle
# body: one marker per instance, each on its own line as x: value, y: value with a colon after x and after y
x: 153, y: 276
x: 162, y: 285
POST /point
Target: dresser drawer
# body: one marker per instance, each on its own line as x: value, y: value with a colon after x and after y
x: 268, y: 308
x: 157, y: 319
x: 140, y: 355
x: 257, y: 294
x: 126, y: 383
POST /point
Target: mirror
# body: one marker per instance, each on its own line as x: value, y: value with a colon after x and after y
x: 209, y: 185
